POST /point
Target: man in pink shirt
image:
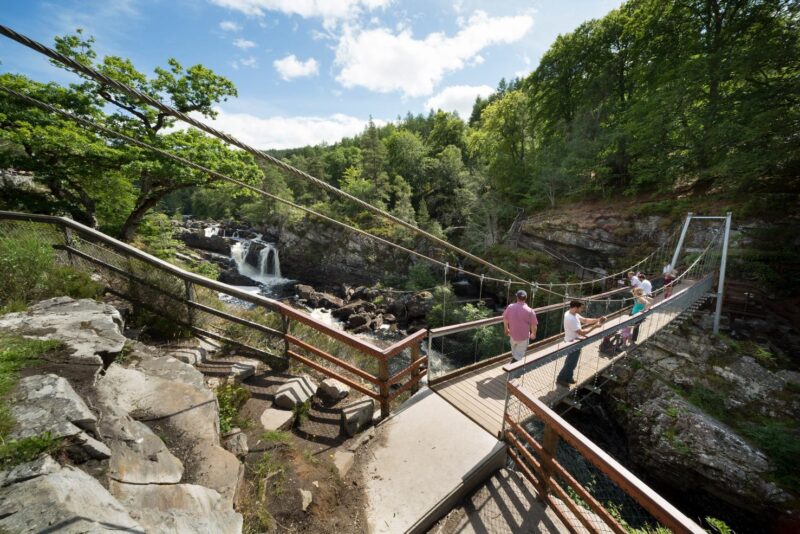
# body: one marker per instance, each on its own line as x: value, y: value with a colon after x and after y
x: 520, y: 325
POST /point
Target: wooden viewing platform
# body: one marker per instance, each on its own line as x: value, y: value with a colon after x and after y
x: 481, y: 393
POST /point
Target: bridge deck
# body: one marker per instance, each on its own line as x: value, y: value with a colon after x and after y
x: 481, y: 394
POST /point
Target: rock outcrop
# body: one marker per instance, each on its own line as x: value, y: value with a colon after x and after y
x: 90, y: 329
x: 682, y: 445
x: 176, y: 478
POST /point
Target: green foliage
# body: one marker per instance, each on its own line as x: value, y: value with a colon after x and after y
x: 781, y: 441
x: 277, y: 436
x: 30, y: 272
x: 301, y: 412
x: 708, y: 400
x: 16, y: 353
x: 157, y: 236
x: 719, y: 526
x: 231, y: 397
x: 420, y: 276
x: 18, y: 451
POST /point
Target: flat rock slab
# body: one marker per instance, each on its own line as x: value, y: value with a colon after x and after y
x: 54, y: 394
x: 273, y: 419
x: 343, y: 461
x: 89, y: 328
x: 63, y: 500
x: 178, y: 508
x: 138, y: 456
x: 424, y: 458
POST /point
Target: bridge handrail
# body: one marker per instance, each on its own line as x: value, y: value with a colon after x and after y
x: 608, y: 328
x: 645, y: 496
x: 417, y: 368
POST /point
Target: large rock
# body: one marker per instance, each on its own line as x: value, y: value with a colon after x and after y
x: 359, y: 319
x: 218, y: 469
x: 294, y: 391
x: 138, y: 456
x: 332, y: 389
x: 178, y: 508
x: 215, y: 243
x: 232, y: 277
x: 357, y: 415
x: 90, y: 329
x: 48, y: 404
x: 63, y: 499
x: 344, y: 312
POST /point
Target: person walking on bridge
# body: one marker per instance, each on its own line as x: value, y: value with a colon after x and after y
x: 520, y: 325
x: 574, y: 329
x: 645, y: 284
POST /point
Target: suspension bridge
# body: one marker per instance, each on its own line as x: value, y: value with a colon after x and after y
x: 478, y: 413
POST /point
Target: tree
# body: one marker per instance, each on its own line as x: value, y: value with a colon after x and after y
x: 402, y: 207
x: 405, y: 155
x: 195, y: 89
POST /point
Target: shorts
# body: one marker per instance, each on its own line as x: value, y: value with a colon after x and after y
x: 518, y: 349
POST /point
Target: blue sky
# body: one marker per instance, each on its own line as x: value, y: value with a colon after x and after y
x: 309, y: 71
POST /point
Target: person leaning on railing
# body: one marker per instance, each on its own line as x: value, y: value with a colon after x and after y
x: 575, y: 327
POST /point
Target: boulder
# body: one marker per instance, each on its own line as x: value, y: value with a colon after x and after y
x: 359, y: 319
x: 273, y: 419
x: 190, y: 355
x: 90, y: 329
x: 138, y: 456
x: 235, y: 442
x: 178, y: 508
x: 344, y: 312
x: 418, y: 305
x: 44, y: 465
x: 56, y: 396
x: 215, y: 243
x: 294, y: 391
x: 218, y: 469
x: 306, y: 497
x: 389, y: 318
x: 232, y: 277
x: 62, y: 499
x: 304, y: 291
x: 326, y: 300
x: 333, y: 389
x: 357, y: 415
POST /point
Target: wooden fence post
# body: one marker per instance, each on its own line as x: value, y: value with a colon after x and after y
x: 415, y: 372
x: 68, y: 242
x: 285, y: 325
x: 549, y: 446
x: 190, y: 297
x: 383, y: 376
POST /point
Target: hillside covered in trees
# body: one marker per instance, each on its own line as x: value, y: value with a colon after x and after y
x: 656, y: 100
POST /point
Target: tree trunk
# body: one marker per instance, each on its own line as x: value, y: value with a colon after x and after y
x: 135, y: 218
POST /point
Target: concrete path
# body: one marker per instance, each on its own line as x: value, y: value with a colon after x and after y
x: 424, y: 459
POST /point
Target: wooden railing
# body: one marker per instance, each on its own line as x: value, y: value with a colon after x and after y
x: 382, y: 386
x: 574, y: 503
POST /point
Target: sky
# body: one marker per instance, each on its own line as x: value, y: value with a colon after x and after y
x: 311, y: 71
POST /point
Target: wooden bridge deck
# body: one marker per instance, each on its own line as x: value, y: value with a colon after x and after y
x: 481, y: 394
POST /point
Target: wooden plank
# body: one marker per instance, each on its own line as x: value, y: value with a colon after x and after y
x: 411, y: 383
x: 408, y: 370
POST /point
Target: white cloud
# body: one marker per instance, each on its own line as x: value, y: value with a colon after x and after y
x: 331, y: 11
x: 291, y: 67
x: 249, y: 62
x: 458, y: 98
x: 383, y: 61
x: 244, y: 44
x: 287, y: 132
x: 230, y: 26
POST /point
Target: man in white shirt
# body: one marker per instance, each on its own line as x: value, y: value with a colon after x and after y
x: 645, y: 284
x: 574, y: 329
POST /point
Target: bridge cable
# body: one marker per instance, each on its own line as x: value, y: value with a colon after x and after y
x: 147, y: 99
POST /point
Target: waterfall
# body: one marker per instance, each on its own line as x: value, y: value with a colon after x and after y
x: 211, y: 231
x: 268, y: 271
x: 268, y: 262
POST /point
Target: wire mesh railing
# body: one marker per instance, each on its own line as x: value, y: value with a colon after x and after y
x: 268, y: 329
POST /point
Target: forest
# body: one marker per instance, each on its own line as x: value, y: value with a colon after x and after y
x: 657, y: 100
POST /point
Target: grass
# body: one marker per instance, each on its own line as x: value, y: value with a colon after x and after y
x: 781, y: 441
x: 231, y: 397
x: 301, y: 412
x: 15, y: 354
x: 277, y: 436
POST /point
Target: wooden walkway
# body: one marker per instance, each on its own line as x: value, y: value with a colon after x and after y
x: 481, y: 394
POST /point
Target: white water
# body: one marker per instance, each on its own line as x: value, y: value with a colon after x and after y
x: 211, y: 231
x: 268, y: 272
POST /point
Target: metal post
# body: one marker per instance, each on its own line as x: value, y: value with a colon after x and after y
x: 721, y: 282
x: 680, y: 240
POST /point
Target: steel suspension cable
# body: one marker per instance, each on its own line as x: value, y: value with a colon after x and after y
x: 147, y: 99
